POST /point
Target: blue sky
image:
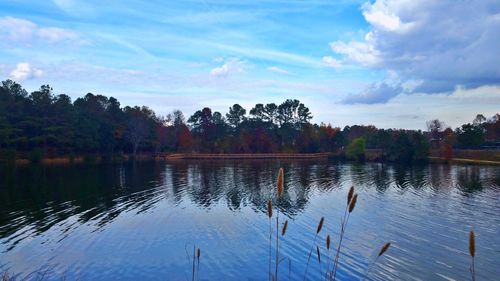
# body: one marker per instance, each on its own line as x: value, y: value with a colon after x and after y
x: 393, y: 64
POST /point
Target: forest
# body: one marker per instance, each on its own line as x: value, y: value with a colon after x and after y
x: 44, y: 124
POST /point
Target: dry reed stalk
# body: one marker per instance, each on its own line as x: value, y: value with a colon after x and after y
x: 278, y: 193
x: 472, y: 252
x: 198, y: 254
x: 320, y: 225
x: 353, y: 203
x: 319, y: 260
x: 270, y: 214
x: 318, y: 229
x: 285, y: 226
x: 350, y: 194
x: 280, y: 182
x: 328, y: 242
x: 472, y: 244
x: 382, y: 251
x: 317, y: 252
x: 269, y: 208
x: 277, y: 241
x: 194, y: 255
x: 351, y: 199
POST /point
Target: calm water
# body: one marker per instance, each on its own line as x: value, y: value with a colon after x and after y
x: 134, y: 222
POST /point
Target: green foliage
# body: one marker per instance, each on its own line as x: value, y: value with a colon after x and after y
x: 236, y: 115
x: 470, y: 135
x: 44, y: 123
x: 421, y: 147
x: 356, y: 149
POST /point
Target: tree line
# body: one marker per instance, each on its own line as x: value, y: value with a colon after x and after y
x: 43, y: 124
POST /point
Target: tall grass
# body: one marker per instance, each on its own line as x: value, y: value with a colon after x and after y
x: 279, y: 193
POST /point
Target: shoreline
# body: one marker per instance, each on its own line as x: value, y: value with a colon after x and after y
x: 230, y: 156
x: 463, y: 161
x: 68, y: 160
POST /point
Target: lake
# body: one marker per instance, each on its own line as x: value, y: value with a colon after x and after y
x: 137, y: 221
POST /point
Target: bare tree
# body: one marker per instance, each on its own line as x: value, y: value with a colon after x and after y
x: 436, y: 127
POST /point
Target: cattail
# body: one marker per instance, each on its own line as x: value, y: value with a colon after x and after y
x: 269, y: 208
x: 353, y: 203
x: 328, y: 242
x: 350, y: 194
x: 285, y: 226
x: 319, y: 256
x: 280, y: 182
x: 320, y: 225
x: 472, y: 244
x: 384, y: 249
x: 198, y: 253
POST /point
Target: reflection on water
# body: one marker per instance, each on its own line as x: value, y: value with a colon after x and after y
x: 133, y: 221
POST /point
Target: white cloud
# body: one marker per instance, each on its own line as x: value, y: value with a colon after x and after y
x: 433, y: 46
x: 24, y: 71
x: 358, y: 52
x: 331, y: 62
x: 278, y: 70
x: 381, y: 14
x: 230, y: 67
x: 375, y: 93
x: 20, y: 30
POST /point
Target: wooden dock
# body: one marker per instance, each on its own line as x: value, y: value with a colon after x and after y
x: 239, y: 156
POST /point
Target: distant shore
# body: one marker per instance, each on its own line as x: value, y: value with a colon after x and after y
x: 62, y: 160
x: 460, y: 157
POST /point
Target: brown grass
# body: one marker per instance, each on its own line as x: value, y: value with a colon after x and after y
x: 350, y: 194
x: 384, y: 249
x: 285, y: 226
x: 269, y: 208
x: 352, y: 198
x: 320, y: 225
x: 353, y: 203
x: 318, y: 229
x: 472, y: 244
x: 472, y: 252
x: 280, y: 182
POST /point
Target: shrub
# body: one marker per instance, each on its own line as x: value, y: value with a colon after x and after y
x: 356, y: 149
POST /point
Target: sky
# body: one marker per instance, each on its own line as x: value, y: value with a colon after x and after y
x: 392, y: 64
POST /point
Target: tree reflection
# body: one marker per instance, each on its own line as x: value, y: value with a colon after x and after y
x: 469, y: 179
x: 33, y: 199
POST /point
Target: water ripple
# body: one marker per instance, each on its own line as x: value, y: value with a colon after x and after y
x: 132, y: 222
